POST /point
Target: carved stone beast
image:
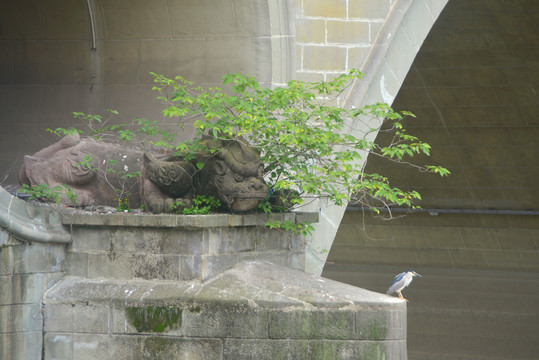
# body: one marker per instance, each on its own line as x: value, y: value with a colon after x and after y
x: 231, y: 172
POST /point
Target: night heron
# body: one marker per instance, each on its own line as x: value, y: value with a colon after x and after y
x: 401, y: 281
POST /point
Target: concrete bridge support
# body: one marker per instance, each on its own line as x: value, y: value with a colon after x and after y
x: 138, y: 287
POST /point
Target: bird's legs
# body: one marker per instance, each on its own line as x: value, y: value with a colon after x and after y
x: 400, y: 295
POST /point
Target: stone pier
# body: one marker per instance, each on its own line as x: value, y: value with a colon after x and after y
x: 126, y: 286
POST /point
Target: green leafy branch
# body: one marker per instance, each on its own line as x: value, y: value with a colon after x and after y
x: 305, y: 144
x: 304, y: 229
x: 45, y: 192
x: 201, y: 204
x: 141, y: 132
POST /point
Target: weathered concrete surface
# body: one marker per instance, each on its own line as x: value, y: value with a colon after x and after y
x: 171, y: 247
x: 26, y: 272
x: 186, y: 287
x: 255, y: 310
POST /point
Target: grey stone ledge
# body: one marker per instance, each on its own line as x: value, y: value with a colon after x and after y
x: 247, y: 283
x: 279, y: 303
x: 31, y: 222
x: 72, y: 217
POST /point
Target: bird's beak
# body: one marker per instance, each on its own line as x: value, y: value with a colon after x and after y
x: 416, y: 274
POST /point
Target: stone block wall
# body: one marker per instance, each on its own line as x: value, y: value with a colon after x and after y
x: 210, y: 287
x: 27, y: 270
x: 335, y: 36
x: 120, y: 42
x: 256, y: 309
x: 179, y: 248
x: 32, y: 260
x: 90, y: 56
x: 221, y: 286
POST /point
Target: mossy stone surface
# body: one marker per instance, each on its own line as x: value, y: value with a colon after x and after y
x: 154, y: 318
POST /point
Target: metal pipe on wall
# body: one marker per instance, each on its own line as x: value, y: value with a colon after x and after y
x: 436, y: 211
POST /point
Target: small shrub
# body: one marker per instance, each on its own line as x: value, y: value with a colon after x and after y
x: 45, y: 192
x: 201, y: 204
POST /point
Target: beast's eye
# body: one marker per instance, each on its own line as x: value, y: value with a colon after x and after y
x: 238, y: 177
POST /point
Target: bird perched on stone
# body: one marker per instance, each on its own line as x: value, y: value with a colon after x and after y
x: 400, y: 282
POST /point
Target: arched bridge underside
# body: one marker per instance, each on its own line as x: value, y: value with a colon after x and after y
x: 473, y: 86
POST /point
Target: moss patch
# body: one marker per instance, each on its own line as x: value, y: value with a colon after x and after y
x: 154, y: 318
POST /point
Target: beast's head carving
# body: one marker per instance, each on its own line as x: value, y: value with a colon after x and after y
x: 233, y: 173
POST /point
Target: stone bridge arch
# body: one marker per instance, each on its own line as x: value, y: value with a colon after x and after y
x: 382, y: 41
x: 473, y: 86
